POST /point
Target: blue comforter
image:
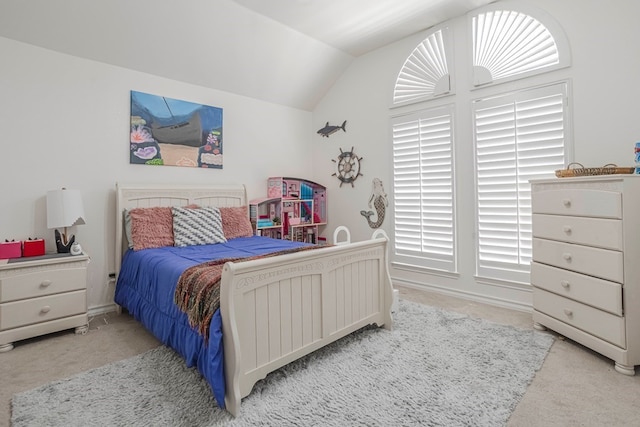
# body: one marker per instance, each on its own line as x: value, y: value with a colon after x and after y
x: 146, y: 286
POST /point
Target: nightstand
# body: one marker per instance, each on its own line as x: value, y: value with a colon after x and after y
x: 41, y: 295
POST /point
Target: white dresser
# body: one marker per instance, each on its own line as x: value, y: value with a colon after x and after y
x: 586, y: 263
x: 42, y: 295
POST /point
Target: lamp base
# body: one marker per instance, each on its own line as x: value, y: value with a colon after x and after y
x: 63, y: 248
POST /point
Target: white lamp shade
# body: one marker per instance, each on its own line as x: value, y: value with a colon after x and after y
x: 64, y: 208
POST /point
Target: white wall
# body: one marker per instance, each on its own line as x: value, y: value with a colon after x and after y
x: 64, y: 121
x: 217, y: 44
x: 606, y: 124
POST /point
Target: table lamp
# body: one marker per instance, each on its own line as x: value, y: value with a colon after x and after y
x: 64, y: 209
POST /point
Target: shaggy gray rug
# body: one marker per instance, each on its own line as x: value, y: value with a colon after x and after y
x: 435, y: 368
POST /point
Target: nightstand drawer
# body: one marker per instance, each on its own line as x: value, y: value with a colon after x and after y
x: 600, y: 232
x: 41, y: 283
x: 36, y: 310
x: 603, y: 263
x: 579, y: 202
x: 604, y: 325
x: 592, y: 291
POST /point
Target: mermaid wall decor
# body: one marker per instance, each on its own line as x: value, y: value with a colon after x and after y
x: 377, y: 201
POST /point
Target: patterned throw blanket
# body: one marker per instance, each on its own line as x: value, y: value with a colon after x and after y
x: 198, y: 290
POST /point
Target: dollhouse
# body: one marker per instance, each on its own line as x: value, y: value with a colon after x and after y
x: 294, y: 209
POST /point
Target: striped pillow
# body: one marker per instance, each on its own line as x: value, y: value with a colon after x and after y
x: 197, y: 226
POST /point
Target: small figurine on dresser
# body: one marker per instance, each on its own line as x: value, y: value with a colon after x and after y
x: 62, y: 244
x: 76, y: 249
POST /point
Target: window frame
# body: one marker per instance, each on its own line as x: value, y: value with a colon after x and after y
x: 554, y: 28
x: 521, y: 272
x: 424, y: 260
x: 463, y: 122
x: 439, y: 89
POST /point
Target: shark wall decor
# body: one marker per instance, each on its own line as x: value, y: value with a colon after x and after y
x: 328, y: 129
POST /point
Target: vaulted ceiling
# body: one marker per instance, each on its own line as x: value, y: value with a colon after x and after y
x: 359, y: 26
x: 286, y: 52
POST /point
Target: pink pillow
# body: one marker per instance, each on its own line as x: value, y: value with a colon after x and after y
x: 235, y: 222
x: 151, y: 227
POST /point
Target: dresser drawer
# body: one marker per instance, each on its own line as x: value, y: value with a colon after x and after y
x: 41, y: 283
x: 604, y: 233
x: 589, y: 290
x: 36, y: 310
x: 606, y: 326
x: 578, y: 202
x: 603, y: 263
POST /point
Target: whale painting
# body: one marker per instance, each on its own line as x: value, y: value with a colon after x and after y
x: 166, y: 131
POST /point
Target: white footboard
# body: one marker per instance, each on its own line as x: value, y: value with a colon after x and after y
x: 276, y: 310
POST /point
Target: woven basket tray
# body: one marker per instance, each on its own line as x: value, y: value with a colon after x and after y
x: 579, y: 170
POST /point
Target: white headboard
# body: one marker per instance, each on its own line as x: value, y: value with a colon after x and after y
x: 129, y: 196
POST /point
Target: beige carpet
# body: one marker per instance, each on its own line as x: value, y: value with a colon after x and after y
x: 575, y: 387
x: 40, y: 360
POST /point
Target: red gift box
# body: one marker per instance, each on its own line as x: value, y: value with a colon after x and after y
x: 33, y: 247
x: 10, y: 250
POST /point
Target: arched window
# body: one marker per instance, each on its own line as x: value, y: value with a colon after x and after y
x: 509, y: 44
x: 425, y: 73
x: 517, y: 136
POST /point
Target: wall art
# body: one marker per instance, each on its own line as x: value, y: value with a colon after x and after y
x: 171, y: 132
x: 379, y: 201
x: 329, y: 130
x: 347, y: 167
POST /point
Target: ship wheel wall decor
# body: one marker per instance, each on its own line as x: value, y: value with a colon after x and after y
x: 347, y: 167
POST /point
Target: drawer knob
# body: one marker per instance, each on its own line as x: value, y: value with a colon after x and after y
x: 565, y: 284
x: 45, y: 283
x: 567, y: 229
x: 568, y: 312
x: 45, y: 309
x: 566, y: 256
x: 566, y: 202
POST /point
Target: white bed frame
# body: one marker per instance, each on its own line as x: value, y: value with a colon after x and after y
x: 276, y: 310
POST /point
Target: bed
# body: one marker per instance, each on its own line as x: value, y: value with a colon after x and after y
x: 272, y: 310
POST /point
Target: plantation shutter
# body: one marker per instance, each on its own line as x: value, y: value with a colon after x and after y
x: 507, y: 44
x: 423, y: 189
x: 517, y: 138
x: 425, y: 73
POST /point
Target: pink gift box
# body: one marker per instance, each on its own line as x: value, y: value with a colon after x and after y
x: 10, y: 250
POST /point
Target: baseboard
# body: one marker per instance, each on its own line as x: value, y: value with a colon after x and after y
x: 394, y: 304
x: 102, y: 309
x: 485, y: 299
